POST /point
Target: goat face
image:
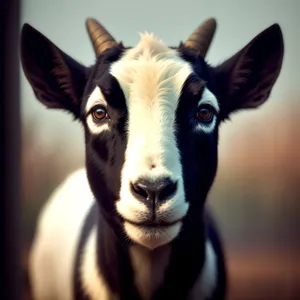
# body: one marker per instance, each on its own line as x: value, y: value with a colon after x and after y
x: 151, y: 116
x: 155, y: 142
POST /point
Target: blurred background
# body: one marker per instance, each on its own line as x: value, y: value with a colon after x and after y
x: 256, y: 193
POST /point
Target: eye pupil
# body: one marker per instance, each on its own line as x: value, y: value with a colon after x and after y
x: 99, y: 114
x: 205, y: 114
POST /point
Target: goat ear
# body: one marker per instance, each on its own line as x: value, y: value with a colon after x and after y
x: 247, y: 78
x: 57, y: 80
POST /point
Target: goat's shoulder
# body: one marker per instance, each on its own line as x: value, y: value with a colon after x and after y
x: 58, y: 228
x: 67, y: 205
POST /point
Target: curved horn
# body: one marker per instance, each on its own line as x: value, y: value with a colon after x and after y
x: 201, y: 38
x: 99, y: 36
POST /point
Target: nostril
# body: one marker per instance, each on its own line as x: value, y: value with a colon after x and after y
x: 139, y: 190
x: 153, y: 191
x: 167, y: 190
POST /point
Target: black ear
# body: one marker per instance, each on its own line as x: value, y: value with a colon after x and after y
x: 246, y: 79
x: 57, y: 80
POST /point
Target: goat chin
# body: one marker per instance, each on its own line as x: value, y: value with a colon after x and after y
x: 152, y: 237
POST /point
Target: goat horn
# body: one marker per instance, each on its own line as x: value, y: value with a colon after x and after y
x: 99, y: 36
x: 201, y: 38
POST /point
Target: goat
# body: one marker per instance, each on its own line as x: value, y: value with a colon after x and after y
x: 133, y: 224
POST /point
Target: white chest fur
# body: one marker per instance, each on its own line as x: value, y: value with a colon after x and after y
x: 207, y: 280
x: 149, y: 268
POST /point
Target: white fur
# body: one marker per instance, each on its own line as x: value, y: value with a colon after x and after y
x: 152, y: 238
x: 52, y: 256
x: 206, y: 281
x: 92, y: 281
x: 151, y: 76
x: 95, y: 98
x: 208, y: 98
x: 149, y: 268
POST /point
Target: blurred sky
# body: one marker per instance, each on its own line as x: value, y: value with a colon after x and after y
x: 238, y: 22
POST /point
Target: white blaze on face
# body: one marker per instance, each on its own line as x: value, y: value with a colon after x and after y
x: 151, y: 77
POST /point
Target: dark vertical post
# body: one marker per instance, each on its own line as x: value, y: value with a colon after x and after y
x: 10, y: 244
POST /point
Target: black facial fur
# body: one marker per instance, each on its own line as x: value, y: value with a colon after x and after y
x: 105, y: 152
x: 198, y: 150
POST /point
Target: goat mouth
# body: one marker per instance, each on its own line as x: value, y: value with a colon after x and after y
x: 153, y: 224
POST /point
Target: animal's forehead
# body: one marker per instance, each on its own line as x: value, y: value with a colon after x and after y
x: 150, y: 67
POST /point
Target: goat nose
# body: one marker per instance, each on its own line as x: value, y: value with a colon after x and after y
x: 153, y: 191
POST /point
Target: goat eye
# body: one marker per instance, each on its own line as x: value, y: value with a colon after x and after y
x: 99, y: 113
x: 205, y: 113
